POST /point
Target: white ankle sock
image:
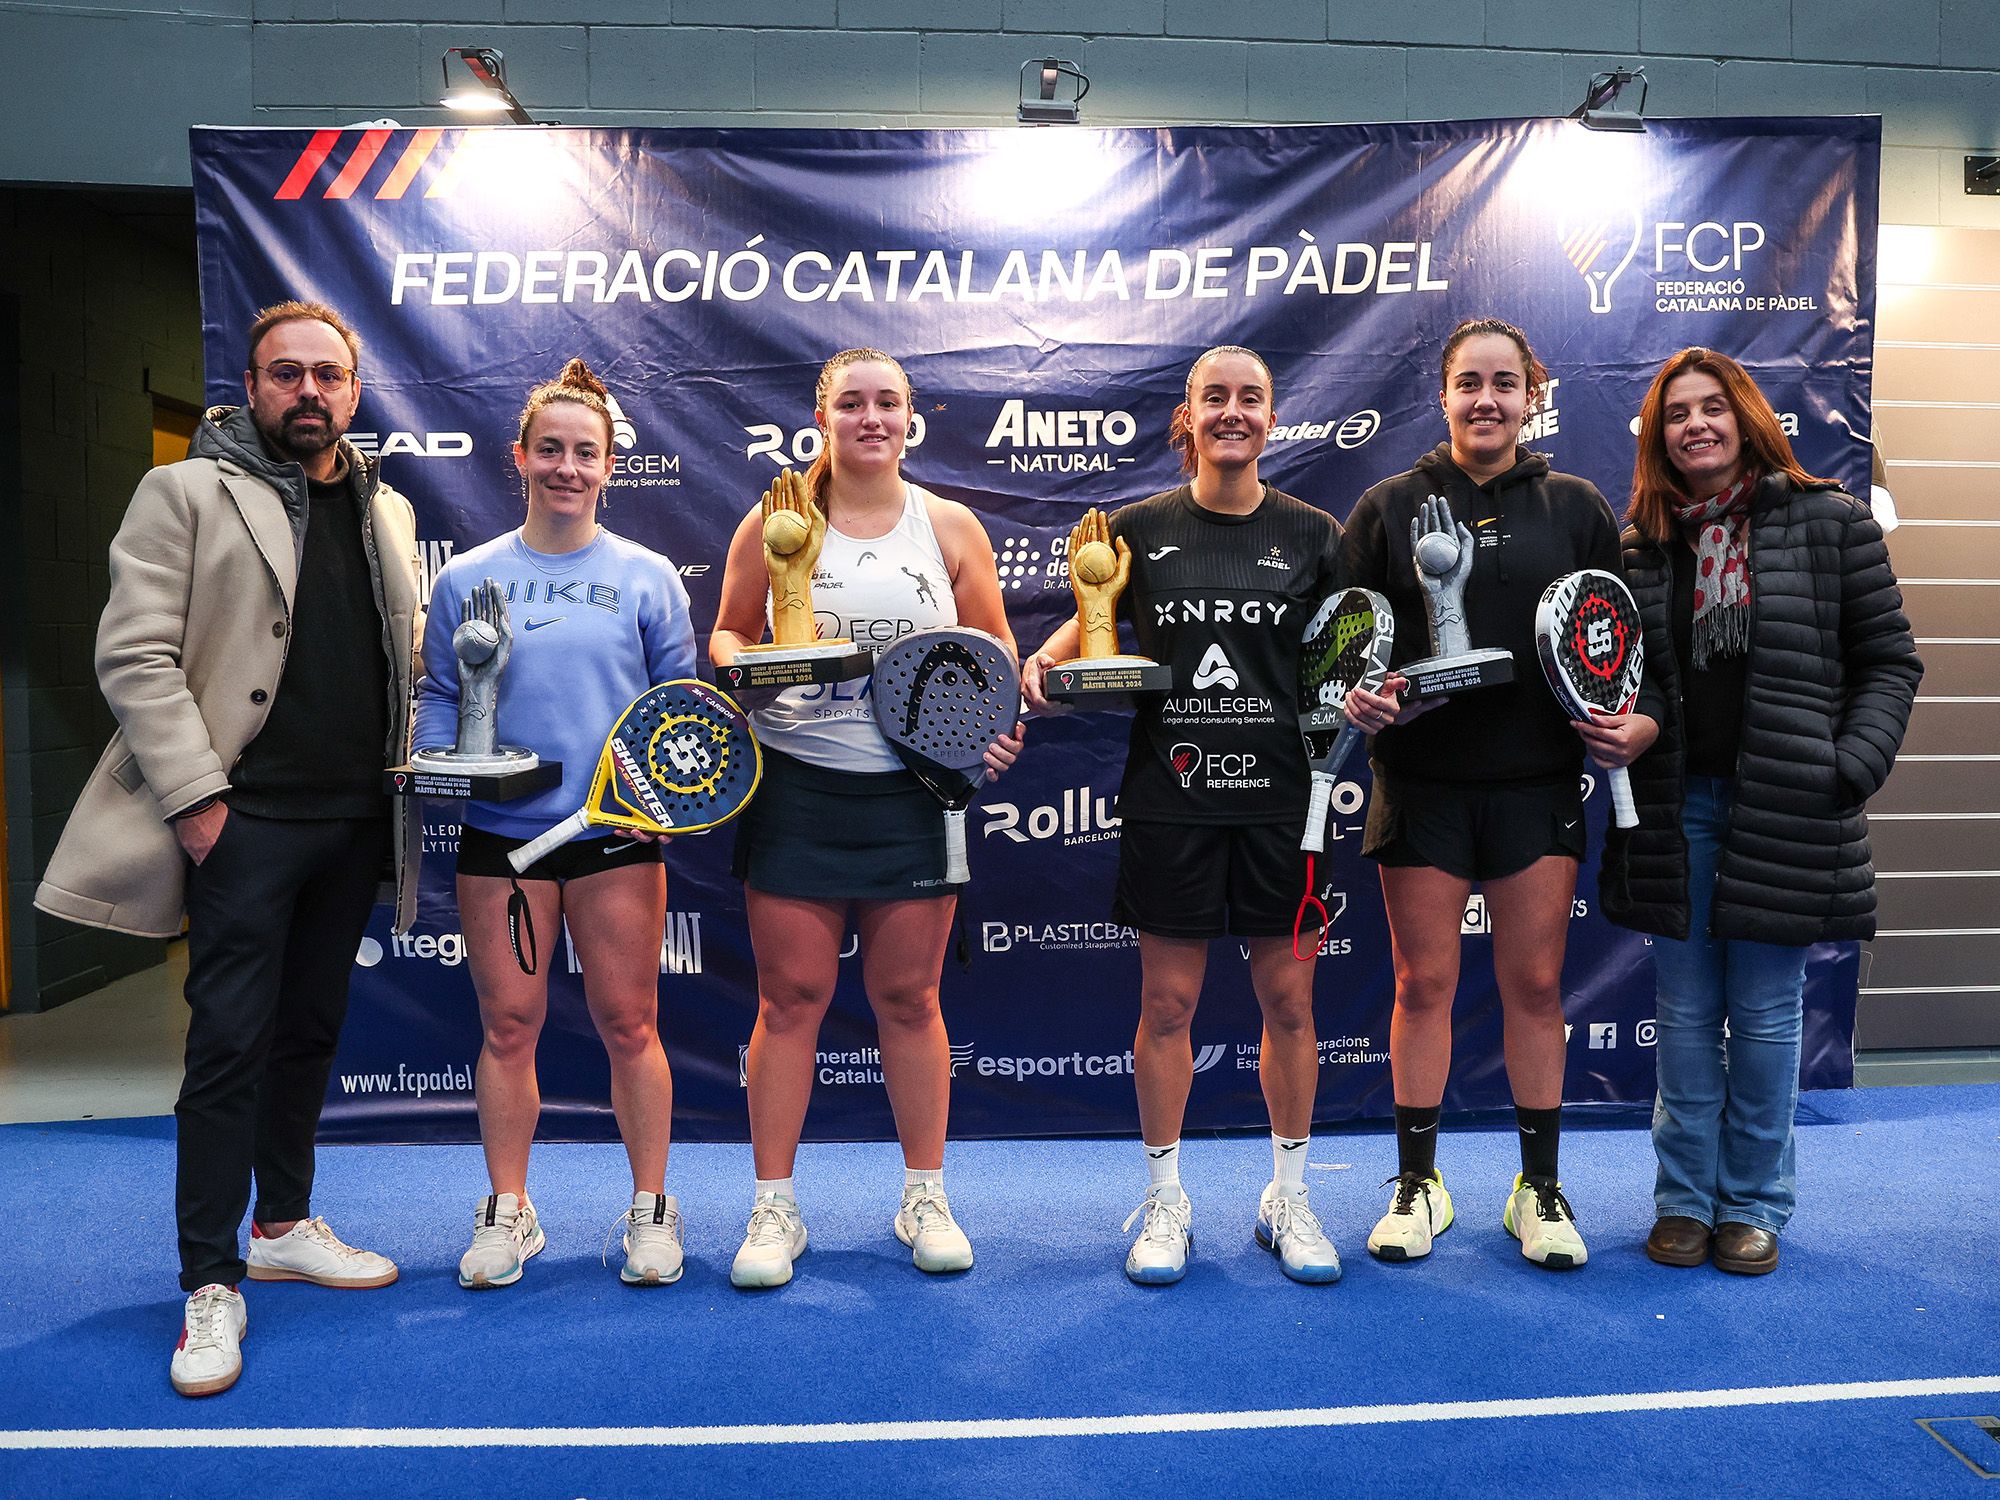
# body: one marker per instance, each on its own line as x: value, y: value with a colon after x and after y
x: 1288, y: 1161
x: 781, y: 1186
x: 1163, y: 1169
x: 915, y: 1177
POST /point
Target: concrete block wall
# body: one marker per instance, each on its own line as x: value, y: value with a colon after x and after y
x: 1931, y: 68
x: 105, y: 317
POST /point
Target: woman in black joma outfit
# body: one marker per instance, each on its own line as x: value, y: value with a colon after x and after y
x: 1780, y: 672
x: 1484, y: 791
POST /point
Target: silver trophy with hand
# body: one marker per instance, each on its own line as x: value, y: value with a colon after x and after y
x: 1442, y: 551
x: 482, y: 643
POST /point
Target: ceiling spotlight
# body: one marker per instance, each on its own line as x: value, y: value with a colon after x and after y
x: 1600, y: 109
x: 488, y: 93
x: 1043, y: 107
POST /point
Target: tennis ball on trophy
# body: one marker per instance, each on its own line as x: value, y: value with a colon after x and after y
x: 474, y: 642
x: 1437, y: 552
x: 1094, y: 562
x: 785, y: 531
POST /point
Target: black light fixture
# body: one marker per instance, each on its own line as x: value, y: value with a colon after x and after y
x: 1600, y: 108
x: 1044, y: 108
x: 1982, y: 176
x: 489, y: 94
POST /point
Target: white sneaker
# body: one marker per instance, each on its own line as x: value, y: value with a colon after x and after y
x: 776, y: 1238
x: 309, y: 1251
x: 1159, y: 1255
x: 652, y: 1240
x: 1419, y: 1211
x: 925, y: 1224
x: 207, y: 1359
x: 1287, y: 1228
x: 1539, y: 1216
x: 505, y: 1234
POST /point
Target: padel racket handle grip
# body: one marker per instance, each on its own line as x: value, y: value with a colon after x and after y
x: 555, y: 838
x: 1342, y: 748
x: 1623, y: 813
x: 1317, y: 801
x: 956, y: 870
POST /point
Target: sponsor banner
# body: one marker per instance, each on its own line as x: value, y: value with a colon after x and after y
x: 1047, y: 291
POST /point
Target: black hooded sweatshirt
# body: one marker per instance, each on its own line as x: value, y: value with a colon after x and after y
x: 1529, y: 526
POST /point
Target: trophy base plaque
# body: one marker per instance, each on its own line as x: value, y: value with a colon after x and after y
x: 1106, y: 682
x: 490, y: 778
x: 1447, y: 676
x: 770, y: 668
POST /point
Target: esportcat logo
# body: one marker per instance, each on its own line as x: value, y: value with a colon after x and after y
x: 1083, y: 1064
x: 1063, y: 439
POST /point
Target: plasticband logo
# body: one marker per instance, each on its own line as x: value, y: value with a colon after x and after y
x: 1084, y: 1064
x: 1059, y: 442
x: 1055, y: 937
x: 861, y: 1065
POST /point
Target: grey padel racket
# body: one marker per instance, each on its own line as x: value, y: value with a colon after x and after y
x: 1587, y: 635
x: 942, y: 697
x: 681, y: 759
x: 1347, y: 644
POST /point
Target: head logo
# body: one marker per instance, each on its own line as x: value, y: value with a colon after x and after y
x: 1214, y: 669
x: 1186, y: 760
x: 417, y: 444
x: 1599, y: 242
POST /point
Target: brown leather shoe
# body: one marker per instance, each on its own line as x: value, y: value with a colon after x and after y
x: 1678, y: 1241
x: 1745, y: 1249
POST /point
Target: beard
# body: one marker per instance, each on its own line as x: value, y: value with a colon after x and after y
x: 288, y: 438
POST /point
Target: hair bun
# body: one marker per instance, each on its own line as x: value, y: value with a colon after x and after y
x: 579, y: 376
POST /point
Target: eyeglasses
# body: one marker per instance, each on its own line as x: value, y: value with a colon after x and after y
x: 288, y: 374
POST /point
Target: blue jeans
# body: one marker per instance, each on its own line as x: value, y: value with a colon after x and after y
x: 1728, y: 1053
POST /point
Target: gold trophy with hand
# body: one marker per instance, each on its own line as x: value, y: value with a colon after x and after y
x: 1101, y: 676
x: 795, y: 656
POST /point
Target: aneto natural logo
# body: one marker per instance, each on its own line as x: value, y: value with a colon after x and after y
x: 1600, y: 243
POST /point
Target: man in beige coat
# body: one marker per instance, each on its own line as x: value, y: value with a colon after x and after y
x: 257, y: 652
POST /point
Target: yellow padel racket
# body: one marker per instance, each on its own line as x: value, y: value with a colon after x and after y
x: 681, y: 759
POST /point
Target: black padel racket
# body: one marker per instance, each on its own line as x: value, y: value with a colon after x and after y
x: 1347, y: 645
x: 1587, y: 634
x: 681, y: 759
x: 941, y: 698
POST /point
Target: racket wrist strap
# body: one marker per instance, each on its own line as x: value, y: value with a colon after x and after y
x: 521, y: 928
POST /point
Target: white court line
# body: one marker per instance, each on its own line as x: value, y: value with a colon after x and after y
x: 760, y: 1435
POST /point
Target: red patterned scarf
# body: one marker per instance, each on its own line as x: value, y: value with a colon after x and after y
x: 1718, y: 529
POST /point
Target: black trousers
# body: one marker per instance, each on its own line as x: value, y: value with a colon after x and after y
x: 275, y: 914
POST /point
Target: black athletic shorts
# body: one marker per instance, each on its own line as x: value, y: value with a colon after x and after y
x: 483, y: 853
x: 825, y: 835
x: 1209, y: 880
x: 1474, y: 830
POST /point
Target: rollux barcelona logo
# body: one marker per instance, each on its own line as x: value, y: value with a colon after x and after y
x: 1600, y: 243
x: 362, y: 150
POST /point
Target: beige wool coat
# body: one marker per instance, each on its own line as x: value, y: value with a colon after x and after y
x: 190, y: 653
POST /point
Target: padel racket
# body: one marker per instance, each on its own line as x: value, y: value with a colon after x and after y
x: 1347, y: 645
x: 1587, y: 634
x: 941, y: 698
x: 681, y: 759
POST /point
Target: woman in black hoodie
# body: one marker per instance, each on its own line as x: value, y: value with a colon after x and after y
x: 1780, y: 671
x: 1485, y: 790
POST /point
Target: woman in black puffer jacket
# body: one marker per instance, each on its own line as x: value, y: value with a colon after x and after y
x: 1779, y: 676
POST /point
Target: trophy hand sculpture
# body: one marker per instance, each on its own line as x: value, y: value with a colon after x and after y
x: 482, y: 643
x: 1100, y: 675
x: 794, y: 532
x: 1098, y: 574
x: 1443, y: 554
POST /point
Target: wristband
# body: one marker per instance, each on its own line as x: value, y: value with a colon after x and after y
x: 200, y: 807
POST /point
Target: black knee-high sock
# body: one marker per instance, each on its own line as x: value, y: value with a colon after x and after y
x: 1541, y: 1139
x: 1416, y: 1139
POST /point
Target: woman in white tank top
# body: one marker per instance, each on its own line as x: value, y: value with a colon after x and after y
x: 823, y: 836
